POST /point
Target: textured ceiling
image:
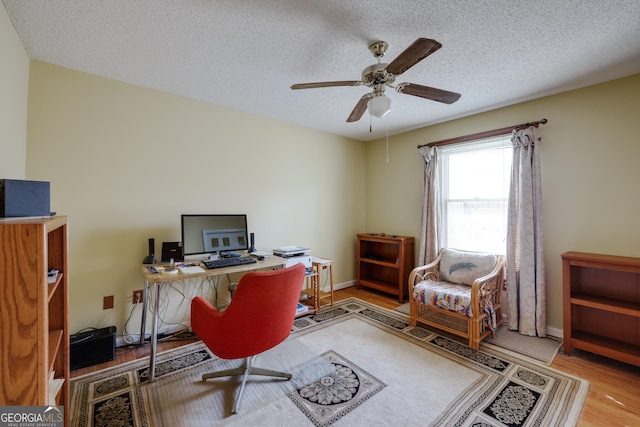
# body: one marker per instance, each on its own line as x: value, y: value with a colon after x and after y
x: 246, y: 54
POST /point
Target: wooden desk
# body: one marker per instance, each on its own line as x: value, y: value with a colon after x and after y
x: 159, y: 279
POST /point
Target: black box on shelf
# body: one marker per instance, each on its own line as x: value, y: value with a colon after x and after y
x: 19, y: 198
x: 93, y: 347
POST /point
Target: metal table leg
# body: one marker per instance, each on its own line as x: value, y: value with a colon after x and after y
x: 143, y: 325
x: 154, y: 334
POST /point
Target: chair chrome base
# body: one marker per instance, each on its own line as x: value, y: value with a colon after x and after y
x: 245, y: 370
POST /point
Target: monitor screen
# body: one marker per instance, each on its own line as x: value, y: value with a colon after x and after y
x: 202, y: 234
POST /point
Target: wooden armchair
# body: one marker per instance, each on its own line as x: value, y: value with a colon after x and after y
x: 459, y: 292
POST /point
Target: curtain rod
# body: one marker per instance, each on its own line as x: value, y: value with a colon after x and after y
x: 480, y: 135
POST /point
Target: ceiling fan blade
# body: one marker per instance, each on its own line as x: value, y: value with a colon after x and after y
x: 326, y: 84
x: 415, y: 53
x: 428, y: 92
x: 360, y: 108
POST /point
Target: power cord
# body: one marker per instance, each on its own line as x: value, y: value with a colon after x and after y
x: 187, y: 294
x: 126, y: 337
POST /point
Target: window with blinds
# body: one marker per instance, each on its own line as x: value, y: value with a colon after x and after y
x: 474, y: 187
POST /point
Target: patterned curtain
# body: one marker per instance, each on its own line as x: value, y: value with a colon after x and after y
x: 526, y: 300
x: 430, y: 235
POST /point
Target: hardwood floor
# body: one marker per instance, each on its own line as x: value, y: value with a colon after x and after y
x: 614, y: 393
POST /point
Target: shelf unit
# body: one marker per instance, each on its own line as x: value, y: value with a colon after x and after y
x: 315, y: 295
x: 601, y: 305
x: 34, y: 328
x: 309, y: 300
x: 384, y: 262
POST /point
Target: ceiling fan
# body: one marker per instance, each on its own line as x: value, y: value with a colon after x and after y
x: 379, y: 76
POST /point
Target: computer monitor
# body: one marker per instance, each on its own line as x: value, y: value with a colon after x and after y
x: 211, y: 233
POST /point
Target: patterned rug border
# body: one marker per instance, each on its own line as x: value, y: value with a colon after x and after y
x: 161, y: 357
x: 553, y: 344
x: 120, y: 387
x: 472, y: 408
x: 419, y: 334
x: 506, y: 375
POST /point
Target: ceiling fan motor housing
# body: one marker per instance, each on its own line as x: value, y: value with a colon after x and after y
x: 377, y: 74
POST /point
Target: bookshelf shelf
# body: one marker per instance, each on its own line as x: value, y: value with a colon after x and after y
x: 384, y: 262
x: 601, y: 298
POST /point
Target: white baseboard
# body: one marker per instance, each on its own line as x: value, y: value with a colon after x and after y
x: 552, y: 332
x: 555, y: 332
x: 120, y: 342
x: 344, y: 285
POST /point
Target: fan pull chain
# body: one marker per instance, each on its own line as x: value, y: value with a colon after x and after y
x: 387, y: 142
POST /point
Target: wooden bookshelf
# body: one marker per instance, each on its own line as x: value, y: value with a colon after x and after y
x: 34, y: 331
x: 601, y: 298
x: 384, y: 262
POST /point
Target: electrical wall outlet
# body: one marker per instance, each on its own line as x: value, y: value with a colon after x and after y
x: 138, y: 296
x: 107, y: 302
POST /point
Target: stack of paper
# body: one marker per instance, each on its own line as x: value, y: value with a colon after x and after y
x: 192, y: 269
x: 55, y: 384
x: 53, y: 275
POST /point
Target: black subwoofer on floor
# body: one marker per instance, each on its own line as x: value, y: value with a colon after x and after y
x: 92, y: 347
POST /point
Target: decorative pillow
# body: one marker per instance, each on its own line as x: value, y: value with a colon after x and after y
x: 465, y: 267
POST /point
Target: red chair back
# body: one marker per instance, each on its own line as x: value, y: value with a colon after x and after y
x: 260, y: 315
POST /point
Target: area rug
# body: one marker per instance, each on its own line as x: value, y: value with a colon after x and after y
x: 368, y: 367
x: 542, y: 349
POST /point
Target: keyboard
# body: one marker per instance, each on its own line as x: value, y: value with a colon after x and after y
x: 228, y: 262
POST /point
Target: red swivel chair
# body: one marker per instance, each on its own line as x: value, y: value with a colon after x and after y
x: 259, y: 317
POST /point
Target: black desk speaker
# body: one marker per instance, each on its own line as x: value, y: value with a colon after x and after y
x: 252, y: 248
x: 151, y: 258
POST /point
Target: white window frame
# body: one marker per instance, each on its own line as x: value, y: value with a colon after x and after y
x: 480, y: 236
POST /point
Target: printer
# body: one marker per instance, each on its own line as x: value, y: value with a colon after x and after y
x: 294, y: 255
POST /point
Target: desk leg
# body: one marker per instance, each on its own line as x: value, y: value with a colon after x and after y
x: 330, y: 267
x: 143, y: 324
x: 154, y: 334
x: 214, y: 281
x: 316, y: 293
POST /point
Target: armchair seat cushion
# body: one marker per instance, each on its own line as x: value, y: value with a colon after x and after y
x: 452, y: 297
x: 445, y: 295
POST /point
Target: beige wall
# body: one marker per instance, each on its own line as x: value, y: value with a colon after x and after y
x: 124, y: 162
x: 590, y: 174
x: 14, y: 87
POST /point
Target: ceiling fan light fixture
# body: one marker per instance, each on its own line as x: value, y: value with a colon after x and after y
x: 379, y: 106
